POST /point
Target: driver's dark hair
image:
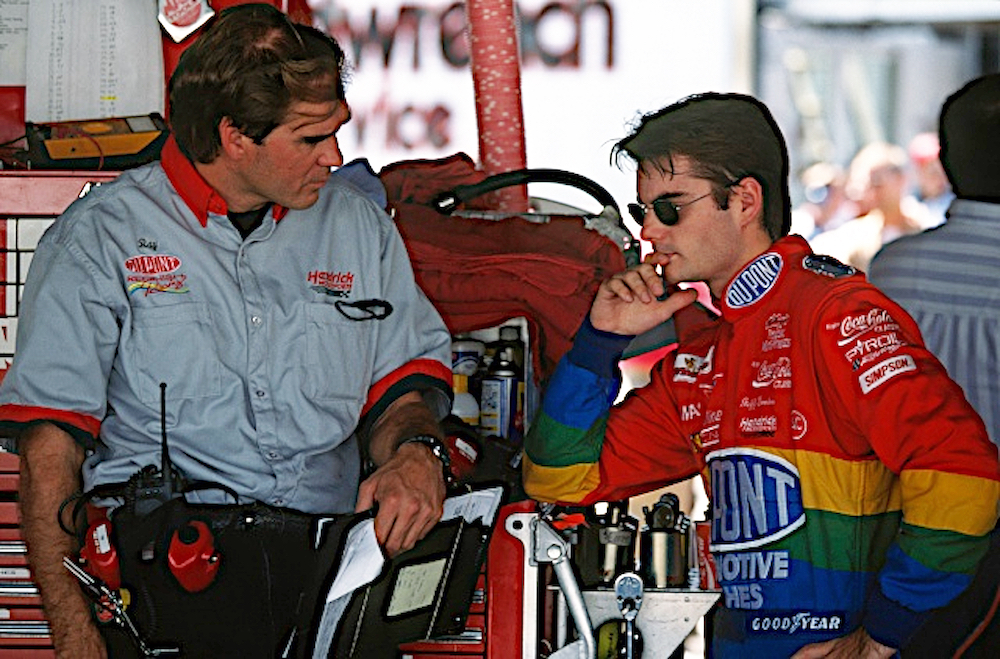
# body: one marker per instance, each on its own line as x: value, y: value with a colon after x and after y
x: 727, y: 137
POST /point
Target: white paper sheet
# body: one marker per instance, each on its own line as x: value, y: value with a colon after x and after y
x: 13, y: 42
x: 93, y: 59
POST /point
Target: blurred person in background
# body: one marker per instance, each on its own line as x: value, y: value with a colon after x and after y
x: 948, y: 279
x: 931, y: 186
x: 826, y: 205
x: 878, y: 183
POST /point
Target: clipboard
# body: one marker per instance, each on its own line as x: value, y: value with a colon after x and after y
x: 421, y: 594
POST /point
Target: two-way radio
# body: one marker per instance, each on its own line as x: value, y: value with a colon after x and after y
x: 153, y: 486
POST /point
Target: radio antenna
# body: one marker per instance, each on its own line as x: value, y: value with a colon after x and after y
x: 165, y: 467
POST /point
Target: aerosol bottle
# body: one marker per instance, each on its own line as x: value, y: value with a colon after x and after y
x: 500, y: 406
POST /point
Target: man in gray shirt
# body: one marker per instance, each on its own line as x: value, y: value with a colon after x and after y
x: 948, y: 279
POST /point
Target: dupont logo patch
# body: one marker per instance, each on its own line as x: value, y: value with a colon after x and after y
x: 877, y: 375
x: 756, y: 499
x: 754, y: 281
x: 153, y: 264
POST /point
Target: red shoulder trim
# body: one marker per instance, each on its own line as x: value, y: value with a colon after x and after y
x: 417, y: 367
x: 25, y: 414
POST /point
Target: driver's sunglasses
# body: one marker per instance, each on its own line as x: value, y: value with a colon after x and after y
x: 666, y: 210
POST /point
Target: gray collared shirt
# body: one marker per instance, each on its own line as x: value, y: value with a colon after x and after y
x: 267, y: 370
x: 948, y: 279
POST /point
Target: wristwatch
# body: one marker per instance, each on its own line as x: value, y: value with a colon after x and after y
x: 437, y: 447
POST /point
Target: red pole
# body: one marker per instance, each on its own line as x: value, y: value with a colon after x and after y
x: 496, y: 78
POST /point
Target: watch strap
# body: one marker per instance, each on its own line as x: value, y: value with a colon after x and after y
x: 437, y: 447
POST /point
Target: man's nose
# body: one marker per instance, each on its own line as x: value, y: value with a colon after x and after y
x: 331, y: 155
x: 652, y: 227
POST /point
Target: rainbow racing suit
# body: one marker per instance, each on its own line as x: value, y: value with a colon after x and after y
x: 851, y: 483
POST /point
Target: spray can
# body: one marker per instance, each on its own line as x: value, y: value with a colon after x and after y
x: 500, y: 408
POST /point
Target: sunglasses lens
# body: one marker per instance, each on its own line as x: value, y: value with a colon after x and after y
x: 665, y: 211
x: 637, y: 212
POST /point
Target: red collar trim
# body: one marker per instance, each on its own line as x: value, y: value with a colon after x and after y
x: 193, y: 189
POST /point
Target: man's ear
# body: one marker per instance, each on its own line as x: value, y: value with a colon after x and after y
x: 749, y: 193
x: 234, y: 142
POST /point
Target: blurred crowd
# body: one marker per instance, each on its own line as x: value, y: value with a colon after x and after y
x: 885, y: 192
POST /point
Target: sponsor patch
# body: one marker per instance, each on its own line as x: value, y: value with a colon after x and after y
x: 688, y: 366
x: 776, y: 374
x: 169, y: 283
x: 754, y: 281
x: 879, y: 374
x: 799, y: 425
x: 756, y: 499
x: 825, y: 265
x: 753, y: 403
x: 759, y: 425
x: 155, y: 273
x: 152, y: 264
x: 774, y: 328
x: 797, y: 622
x: 334, y: 284
x: 874, y: 320
x: 867, y: 349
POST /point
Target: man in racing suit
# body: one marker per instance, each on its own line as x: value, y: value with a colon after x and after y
x: 838, y: 455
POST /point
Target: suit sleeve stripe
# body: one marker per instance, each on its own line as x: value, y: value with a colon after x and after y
x: 577, y: 397
x: 952, y: 552
x: 565, y: 446
x: 566, y: 484
x: 941, y: 500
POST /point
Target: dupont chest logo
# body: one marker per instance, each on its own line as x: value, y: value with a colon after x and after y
x: 155, y: 273
x: 335, y: 284
x: 756, y: 499
x: 754, y: 281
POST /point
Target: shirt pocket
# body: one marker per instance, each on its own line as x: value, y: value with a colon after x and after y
x: 175, y: 344
x: 338, y: 364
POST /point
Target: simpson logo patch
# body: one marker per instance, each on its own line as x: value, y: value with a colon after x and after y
x: 756, y: 499
x: 754, y: 281
x: 335, y: 284
x: 157, y: 273
x: 877, y: 375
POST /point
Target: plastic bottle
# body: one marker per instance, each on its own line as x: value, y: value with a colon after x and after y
x: 510, y: 337
x: 464, y: 406
x: 466, y: 354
